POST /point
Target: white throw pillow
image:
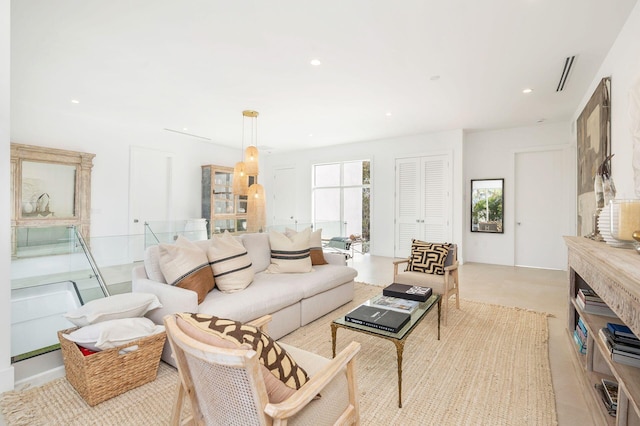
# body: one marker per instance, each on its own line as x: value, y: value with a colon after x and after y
x: 315, y: 245
x: 113, y: 333
x: 185, y: 265
x: 230, y: 263
x: 289, y: 255
x: 126, y: 305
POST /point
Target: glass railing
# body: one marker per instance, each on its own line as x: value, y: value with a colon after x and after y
x: 330, y: 229
x: 52, y: 272
x: 167, y: 232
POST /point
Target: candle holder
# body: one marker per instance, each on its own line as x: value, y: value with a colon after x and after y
x: 625, y: 222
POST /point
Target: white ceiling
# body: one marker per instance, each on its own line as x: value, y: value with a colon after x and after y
x: 196, y: 64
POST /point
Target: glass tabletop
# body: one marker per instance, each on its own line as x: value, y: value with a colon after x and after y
x: 416, y: 315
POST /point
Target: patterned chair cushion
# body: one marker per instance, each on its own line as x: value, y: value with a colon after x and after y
x: 427, y: 257
x: 282, y: 376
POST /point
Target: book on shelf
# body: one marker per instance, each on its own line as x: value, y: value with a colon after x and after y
x: 621, y: 330
x: 588, y: 294
x: 411, y: 292
x: 611, y: 392
x: 395, y: 303
x: 617, y: 354
x: 581, y: 334
x: 596, y: 309
x: 581, y: 344
x: 582, y: 327
x: 618, y: 343
x: 376, y: 317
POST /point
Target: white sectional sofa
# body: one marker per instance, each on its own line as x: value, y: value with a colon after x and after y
x: 293, y: 299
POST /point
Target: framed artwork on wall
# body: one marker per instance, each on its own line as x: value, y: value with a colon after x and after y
x: 487, y: 205
x: 593, y: 140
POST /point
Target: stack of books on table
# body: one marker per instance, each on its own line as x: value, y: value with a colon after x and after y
x: 580, y: 336
x: 622, y: 343
x: 395, y: 303
x: 591, y: 303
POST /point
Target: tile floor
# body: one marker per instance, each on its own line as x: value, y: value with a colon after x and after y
x: 537, y: 289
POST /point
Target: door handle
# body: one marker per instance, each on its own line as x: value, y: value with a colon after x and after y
x: 135, y: 220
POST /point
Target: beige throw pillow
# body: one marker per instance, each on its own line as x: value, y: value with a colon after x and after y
x: 230, y: 263
x: 289, y: 255
x: 315, y: 245
x: 282, y: 376
x: 185, y: 265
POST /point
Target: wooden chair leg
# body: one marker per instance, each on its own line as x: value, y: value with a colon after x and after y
x: 176, y: 413
x: 445, y: 308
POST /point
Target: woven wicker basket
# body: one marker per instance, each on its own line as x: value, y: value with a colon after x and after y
x: 108, y: 373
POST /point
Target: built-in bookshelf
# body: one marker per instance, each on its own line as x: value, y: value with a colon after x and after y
x: 614, y: 275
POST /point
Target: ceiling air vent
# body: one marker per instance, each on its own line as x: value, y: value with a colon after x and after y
x: 568, y: 63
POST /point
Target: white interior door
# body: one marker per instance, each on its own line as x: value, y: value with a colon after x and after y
x: 423, y: 201
x: 407, y: 204
x: 537, y: 219
x: 284, y: 199
x: 150, y: 192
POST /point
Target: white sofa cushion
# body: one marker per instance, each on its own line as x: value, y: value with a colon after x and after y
x: 315, y: 245
x: 257, y: 245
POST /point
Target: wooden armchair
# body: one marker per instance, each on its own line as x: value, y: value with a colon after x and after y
x: 446, y: 285
x: 226, y: 386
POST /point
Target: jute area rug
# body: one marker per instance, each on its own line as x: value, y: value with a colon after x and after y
x: 491, y: 367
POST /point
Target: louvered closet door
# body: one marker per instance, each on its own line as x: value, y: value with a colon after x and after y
x: 422, y: 201
x: 408, y: 204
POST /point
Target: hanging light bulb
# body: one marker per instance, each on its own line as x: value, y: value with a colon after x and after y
x: 251, y: 153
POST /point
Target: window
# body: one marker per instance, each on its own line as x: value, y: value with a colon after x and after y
x: 341, y: 198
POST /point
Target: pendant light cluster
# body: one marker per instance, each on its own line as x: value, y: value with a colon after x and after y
x: 247, y: 171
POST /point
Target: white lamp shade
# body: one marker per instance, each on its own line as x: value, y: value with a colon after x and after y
x: 251, y: 160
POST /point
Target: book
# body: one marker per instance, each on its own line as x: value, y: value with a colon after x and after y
x: 625, y: 359
x: 411, y: 292
x: 582, y: 345
x: 588, y: 294
x: 582, y: 327
x: 614, y: 343
x: 611, y: 392
x: 376, y: 317
x: 395, y: 303
x: 621, y: 330
x: 590, y: 308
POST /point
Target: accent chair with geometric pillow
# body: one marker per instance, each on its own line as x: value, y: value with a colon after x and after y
x: 432, y: 265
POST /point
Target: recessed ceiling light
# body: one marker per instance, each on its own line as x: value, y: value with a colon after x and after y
x: 185, y: 129
x: 388, y: 114
x: 315, y: 62
x: 527, y: 90
x: 75, y: 101
x: 310, y: 135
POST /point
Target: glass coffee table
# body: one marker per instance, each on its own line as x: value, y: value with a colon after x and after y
x: 397, y: 338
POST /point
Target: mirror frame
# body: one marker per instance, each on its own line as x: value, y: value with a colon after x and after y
x: 495, y: 226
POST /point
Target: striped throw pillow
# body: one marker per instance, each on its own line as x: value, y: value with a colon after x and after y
x: 290, y: 255
x: 230, y: 263
x: 428, y: 257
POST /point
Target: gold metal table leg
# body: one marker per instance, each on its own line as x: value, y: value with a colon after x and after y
x: 334, y: 330
x: 399, y: 350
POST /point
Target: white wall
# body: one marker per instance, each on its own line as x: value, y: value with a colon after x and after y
x: 6, y: 370
x: 491, y: 154
x: 111, y: 143
x: 382, y: 154
x: 623, y: 65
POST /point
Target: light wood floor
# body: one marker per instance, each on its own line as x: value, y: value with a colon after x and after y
x: 537, y: 289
